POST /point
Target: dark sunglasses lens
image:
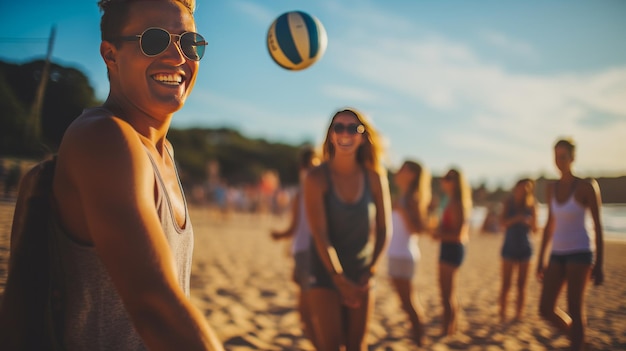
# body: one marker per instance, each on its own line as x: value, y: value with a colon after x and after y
x: 352, y: 129
x: 339, y: 128
x: 193, y: 45
x: 154, y: 41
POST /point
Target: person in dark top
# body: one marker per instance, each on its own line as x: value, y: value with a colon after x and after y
x: 519, y: 217
x: 453, y: 232
x: 349, y: 210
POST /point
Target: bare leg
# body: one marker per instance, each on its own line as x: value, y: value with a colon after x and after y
x: 447, y: 277
x: 325, y: 308
x: 507, y: 272
x: 577, y: 278
x: 305, y: 316
x: 553, y: 280
x: 358, y: 322
x: 522, y: 278
x: 411, y: 306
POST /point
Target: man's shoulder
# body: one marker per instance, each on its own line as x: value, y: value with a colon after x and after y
x: 95, y: 127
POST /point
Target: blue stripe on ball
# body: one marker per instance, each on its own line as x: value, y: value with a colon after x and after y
x: 285, y: 39
x: 311, y: 28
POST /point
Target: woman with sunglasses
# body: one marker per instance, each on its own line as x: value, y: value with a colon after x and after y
x: 519, y: 217
x: 348, y: 207
x: 121, y: 219
x: 571, y: 260
x: 453, y: 232
x: 409, y: 218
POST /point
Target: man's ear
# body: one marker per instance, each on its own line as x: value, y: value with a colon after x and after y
x: 108, y: 52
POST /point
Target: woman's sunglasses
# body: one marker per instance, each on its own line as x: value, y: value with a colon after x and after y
x: 352, y: 128
x: 154, y: 41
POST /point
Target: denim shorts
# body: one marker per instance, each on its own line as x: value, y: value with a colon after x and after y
x: 577, y: 257
x: 452, y: 253
x: 301, y: 269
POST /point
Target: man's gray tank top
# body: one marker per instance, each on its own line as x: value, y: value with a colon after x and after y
x: 95, y: 318
x: 349, y: 231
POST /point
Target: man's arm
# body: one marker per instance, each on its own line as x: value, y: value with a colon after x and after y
x: 115, y: 183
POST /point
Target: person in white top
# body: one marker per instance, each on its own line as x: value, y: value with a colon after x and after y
x: 300, y: 232
x: 409, y: 218
x: 571, y: 260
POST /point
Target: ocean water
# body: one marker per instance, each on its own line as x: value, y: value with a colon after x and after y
x: 613, y: 217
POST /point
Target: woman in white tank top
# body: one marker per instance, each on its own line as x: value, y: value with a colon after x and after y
x: 571, y: 260
x: 408, y: 219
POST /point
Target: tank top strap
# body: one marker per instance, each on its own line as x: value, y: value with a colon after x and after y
x: 164, y: 195
x: 329, y: 179
x: 157, y: 174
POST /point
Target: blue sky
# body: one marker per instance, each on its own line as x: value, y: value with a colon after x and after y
x: 486, y: 86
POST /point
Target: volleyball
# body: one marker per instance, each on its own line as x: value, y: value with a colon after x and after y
x: 296, y: 40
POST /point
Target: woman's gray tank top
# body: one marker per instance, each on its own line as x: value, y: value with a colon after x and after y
x: 349, y: 231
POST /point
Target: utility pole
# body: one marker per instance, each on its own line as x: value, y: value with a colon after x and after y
x: 33, y: 129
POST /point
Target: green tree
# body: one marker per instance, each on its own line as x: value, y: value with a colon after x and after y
x: 67, y: 93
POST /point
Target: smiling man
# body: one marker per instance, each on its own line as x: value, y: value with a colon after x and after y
x: 122, y: 222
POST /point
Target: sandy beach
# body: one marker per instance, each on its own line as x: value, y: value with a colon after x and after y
x: 241, y: 281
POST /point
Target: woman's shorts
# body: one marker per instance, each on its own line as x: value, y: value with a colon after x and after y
x: 401, y: 268
x: 452, y: 254
x: 301, y: 270
x: 577, y: 257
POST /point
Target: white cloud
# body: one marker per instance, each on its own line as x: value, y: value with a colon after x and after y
x: 502, y: 41
x: 511, y: 113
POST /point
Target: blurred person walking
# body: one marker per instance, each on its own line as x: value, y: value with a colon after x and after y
x: 300, y: 232
x: 519, y: 217
x: 453, y: 232
x: 571, y: 260
x: 409, y: 218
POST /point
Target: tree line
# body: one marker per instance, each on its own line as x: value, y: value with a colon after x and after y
x: 241, y: 160
x: 68, y: 92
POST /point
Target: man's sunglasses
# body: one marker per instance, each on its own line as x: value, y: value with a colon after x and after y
x: 351, y: 128
x: 154, y: 41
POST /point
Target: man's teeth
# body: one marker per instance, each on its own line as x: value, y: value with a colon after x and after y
x: 172, y: 79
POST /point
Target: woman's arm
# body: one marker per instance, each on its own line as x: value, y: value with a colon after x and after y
x: 414, y: 215
x: 547, y: 235
x: 295, y: 212
x: 382, y: 201
x: 314, y: 189
x: 533, y: 219
x: 595, y: 201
